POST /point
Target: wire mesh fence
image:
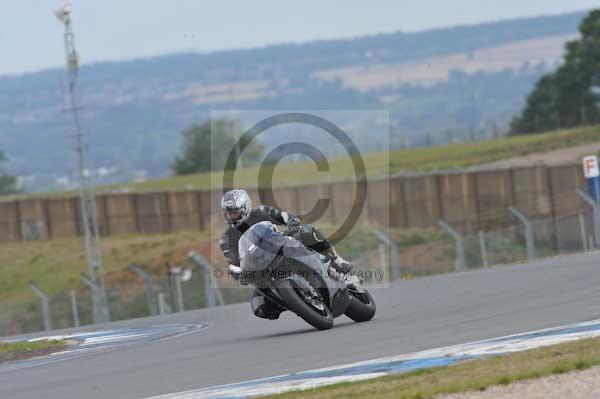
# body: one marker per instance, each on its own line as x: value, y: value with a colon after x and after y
x: 420, y: 252
x: 504, y: 245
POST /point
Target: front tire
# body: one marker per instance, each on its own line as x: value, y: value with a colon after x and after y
x: 362, y: 306
x: 289, y: 291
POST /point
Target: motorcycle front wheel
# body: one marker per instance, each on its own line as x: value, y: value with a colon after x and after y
x: 311, y: 310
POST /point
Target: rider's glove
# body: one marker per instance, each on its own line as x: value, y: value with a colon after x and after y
x: 292, y: 222
x: 235, y: 272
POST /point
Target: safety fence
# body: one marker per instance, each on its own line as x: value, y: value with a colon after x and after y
x: 138, y: 292
x: 380, y: 257
x: 524, y: 241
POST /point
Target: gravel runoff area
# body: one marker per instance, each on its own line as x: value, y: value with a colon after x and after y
x: 574, y: 385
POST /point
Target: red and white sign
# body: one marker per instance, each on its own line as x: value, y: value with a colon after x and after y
x: 590, y: 166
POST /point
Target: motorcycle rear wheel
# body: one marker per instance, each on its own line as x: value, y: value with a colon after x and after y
x: 362, y: 306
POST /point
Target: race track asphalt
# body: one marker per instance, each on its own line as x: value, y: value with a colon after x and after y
x: 413, y: 315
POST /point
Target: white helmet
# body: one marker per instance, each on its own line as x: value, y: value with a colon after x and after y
x: 236, y: 206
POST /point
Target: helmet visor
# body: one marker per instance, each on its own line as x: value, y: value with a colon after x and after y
x: 233, y: 214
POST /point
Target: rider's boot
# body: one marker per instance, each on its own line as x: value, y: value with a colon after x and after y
x: 264, y: 308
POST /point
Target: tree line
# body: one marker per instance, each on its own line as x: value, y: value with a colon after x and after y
x: 8, y: 183
x: 207, y: 146
x: 567, y: 97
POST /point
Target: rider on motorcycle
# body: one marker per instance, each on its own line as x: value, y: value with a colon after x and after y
x: 239, y: 216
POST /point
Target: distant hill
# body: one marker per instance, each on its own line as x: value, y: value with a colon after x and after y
x: 446, y: 84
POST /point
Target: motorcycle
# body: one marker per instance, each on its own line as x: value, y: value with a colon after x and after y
x: 299, y: 279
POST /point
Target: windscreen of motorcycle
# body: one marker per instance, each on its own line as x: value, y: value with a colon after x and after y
x: 259, y: 246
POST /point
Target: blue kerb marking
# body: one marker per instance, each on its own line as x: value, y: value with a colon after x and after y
x: 80, y: 337
x: 114, y: 339
x: 551, y: 333
x: 399, y: 366
x: 395, y: 367
x: 387, y: 367
x: 131, y: 331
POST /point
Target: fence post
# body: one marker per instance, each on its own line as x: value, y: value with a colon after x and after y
x: 45, y: 305
x: 483, y: 249
x: 587, y: 198
x: 529, y: 238
x: 383, y: 259
x: 162, y: 305
x: 149, y: 287
x: 99, y: 313
x: 74, y: 309
x: 394, y: 253
x: 212, y: 292
x: 582, y: 232
x: 178, y: 292
x: 460, y: 263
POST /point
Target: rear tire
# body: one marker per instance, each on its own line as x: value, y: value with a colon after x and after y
x: 362, y: 307
x: 287, y: 290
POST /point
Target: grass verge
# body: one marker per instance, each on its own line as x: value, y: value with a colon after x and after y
x: 458, y: 155
x: 26, y: 350
x: 475, y: 375
x: 55, y: 267
x: 380, y: 164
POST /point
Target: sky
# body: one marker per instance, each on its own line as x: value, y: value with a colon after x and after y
x: 110, y: 30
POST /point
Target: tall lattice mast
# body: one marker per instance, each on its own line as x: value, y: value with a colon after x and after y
x: 86, y: 194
